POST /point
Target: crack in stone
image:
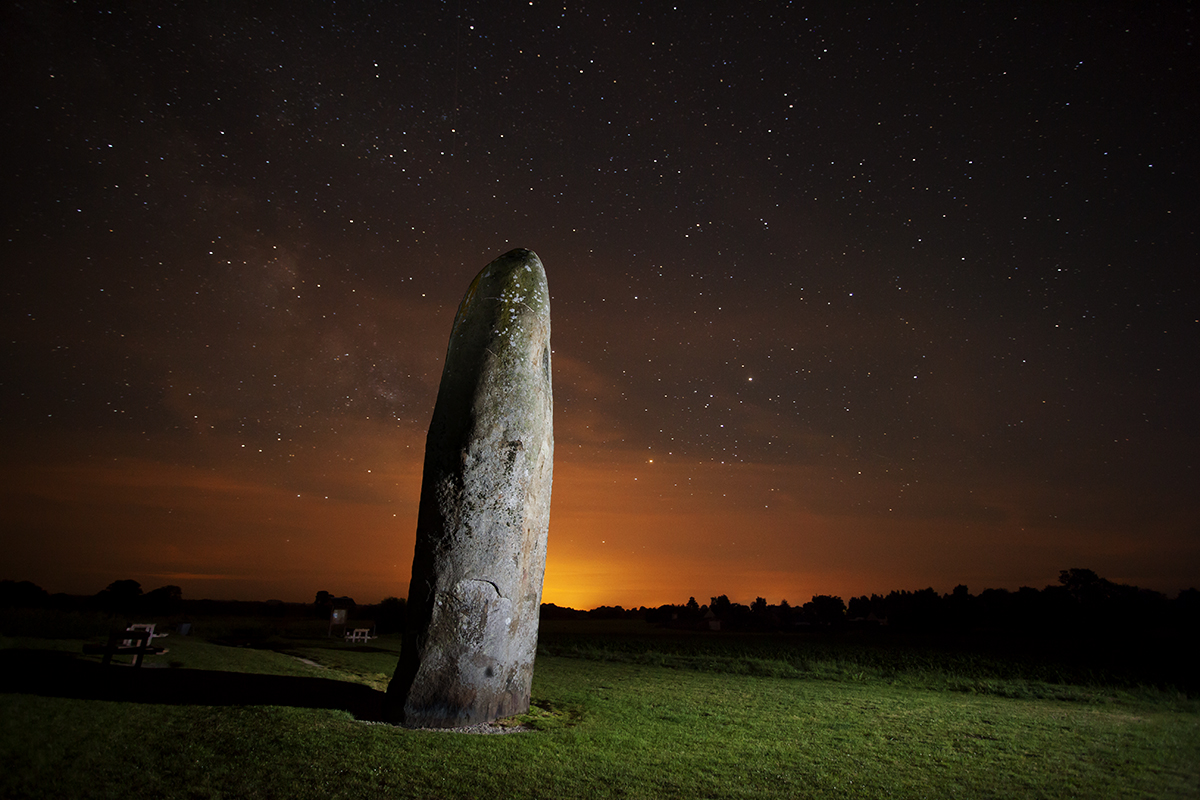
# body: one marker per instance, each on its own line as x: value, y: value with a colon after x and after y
x: 489, y: 583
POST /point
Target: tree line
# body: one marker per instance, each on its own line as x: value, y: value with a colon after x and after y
x: 119, y: 597
x: 1081, y: 600
x: 125, y: 598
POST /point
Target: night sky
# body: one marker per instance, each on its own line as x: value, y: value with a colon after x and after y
x: 845, y: 298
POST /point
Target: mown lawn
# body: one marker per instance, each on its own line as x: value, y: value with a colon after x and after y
x: 242, y: 722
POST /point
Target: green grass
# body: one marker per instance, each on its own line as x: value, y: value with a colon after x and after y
x: 609, y: 726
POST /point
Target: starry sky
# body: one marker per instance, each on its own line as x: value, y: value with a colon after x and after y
x: 846, y: 297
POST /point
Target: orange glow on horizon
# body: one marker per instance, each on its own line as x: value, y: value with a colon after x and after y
x: 627, y: 530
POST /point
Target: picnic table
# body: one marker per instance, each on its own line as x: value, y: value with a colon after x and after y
x: 134, y: 640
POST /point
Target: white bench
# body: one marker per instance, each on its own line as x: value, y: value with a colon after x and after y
x: 359, y: 635
x: 148, y: 627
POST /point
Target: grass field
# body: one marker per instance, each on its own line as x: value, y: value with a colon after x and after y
x: 617, y: 715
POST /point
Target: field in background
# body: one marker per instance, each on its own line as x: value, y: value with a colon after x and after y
x: 251, y: 707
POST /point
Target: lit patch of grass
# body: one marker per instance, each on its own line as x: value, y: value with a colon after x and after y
x: 543, y: 715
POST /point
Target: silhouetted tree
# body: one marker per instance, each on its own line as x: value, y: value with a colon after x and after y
x: 552, y: 611
x: 995, y: 608
x: 959, y: 607
x: 1086, y: 587
x: 22, y: 594
x: 1185, y: 611
x: 389, y: 615
x: 825, y: 609
x: 326, y: 602
x: 913, y: 609
x: 758, y: 618
x: 610, y: 612
x: 1100, y: 603
x: 163, y: 600
x: 663, y: 615
x: 859, y: 608
x: 120, y: 597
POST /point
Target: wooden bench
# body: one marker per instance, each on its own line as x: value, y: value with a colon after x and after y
x: 130, y: 642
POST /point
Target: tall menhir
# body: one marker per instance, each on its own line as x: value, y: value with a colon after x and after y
x: 471, y: 633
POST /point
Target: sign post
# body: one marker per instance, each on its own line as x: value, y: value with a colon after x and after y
x: 338, y: 619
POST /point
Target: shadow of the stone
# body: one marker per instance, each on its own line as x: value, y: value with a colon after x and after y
x: 58, y: 674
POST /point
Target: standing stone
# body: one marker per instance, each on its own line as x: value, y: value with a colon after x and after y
x: 471, y: 632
